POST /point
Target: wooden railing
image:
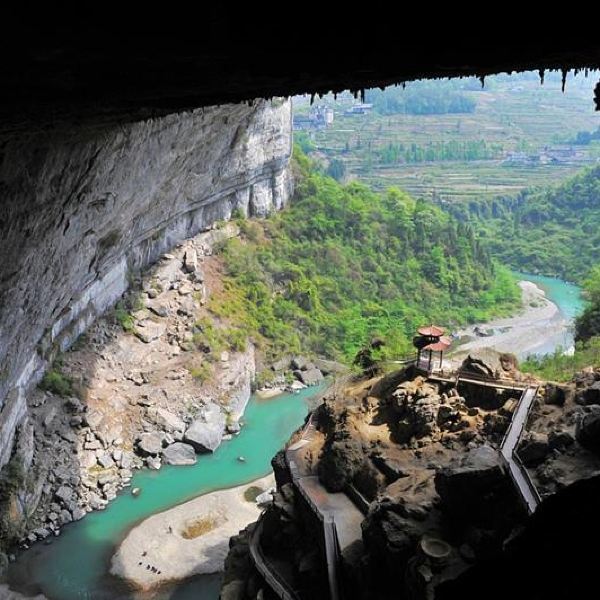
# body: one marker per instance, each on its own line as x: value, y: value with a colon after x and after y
x: 270, y: 574
x: 500, y: 381
x: 510, y: 442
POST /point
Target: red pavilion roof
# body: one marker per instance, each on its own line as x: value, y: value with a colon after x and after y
x: 431, y: 330
x: 440, y: 346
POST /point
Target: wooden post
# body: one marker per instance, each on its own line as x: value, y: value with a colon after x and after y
x: 429, y: 365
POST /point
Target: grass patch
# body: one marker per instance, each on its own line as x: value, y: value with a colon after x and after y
x: 201, y: 372
x: 213, y: 340
x: 252, y: 493
x: 197, y: 527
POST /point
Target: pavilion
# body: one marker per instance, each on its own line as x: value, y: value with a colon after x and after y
x: 431, y: 343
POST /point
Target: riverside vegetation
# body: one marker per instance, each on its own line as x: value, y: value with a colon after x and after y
x: 344, y: 263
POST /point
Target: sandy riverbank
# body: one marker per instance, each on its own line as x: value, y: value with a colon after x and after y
x: 160, y: 541
x: 539, y: 324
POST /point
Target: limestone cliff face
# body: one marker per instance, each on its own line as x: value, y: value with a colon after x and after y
x: 81, y: 210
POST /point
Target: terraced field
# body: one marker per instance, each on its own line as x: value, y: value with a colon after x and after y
x: 514, y: 114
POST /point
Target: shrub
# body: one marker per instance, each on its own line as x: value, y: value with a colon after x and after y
x: 201, y: 372
x: 124, y: 319
x: 236, y: 339
x: 12, y: 478
x: 57, y: 383
x: 252, y: 493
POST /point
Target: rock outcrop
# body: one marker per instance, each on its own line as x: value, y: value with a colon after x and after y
x: 420, y: 461
x: 82, y: 210
x: 82, y: 213
x: 490, y: 363
x: 587, y: 432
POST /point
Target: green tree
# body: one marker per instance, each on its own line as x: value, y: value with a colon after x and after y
x: 336, y: 169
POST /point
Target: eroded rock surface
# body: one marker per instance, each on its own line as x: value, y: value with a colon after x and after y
x: 83, y: 212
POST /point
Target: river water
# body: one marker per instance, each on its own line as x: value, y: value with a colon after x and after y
x: 75, y: 565
x: 567, y: 296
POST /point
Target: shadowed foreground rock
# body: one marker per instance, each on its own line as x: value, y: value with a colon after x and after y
x: 550, y: 560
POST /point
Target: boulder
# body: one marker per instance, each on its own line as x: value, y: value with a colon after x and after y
x: 299, y: 363
x: 587, y: 431
x: 65, y: 517
x: 559, y: 440
x: 127, y: 460
x: 312, y: 376
x: 490, y: 363
x: 329, y: 367
x: 339, y: 463
x: 590, y: 394
x: 265, y: 497
x: 233, y: 590
x: 41, y: 532
x: 168, y: 421
x: 64, y: 494
x: 477, y: 488
x: 150, y: 443
x: 78, y: 514
x: 153, y: 462
x: 179, y: 454
x: 161, y: 309
x: 168, y: 271
x: 234, y: 427
x: 206, y: 433
x: 281, y: 365
x: 198, y: 275
x: 148, y: 330
x: 533, y: 449
x: 392, y: 469
x: 555, y: 394
x: 187, y: 306
x: 185, y: 289
x: 190, y: 261
x: 106, y: 461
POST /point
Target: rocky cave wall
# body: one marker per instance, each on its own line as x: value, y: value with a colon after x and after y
x: 84, y: 208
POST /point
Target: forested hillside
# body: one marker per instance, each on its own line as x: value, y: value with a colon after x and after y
x: 423, y: 98
x: 554, y: 232
x: 343, y: 263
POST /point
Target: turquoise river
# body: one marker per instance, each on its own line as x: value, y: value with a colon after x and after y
x: 567, y: 296
x: 75, y: 565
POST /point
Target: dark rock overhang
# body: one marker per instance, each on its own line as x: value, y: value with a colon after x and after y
x: 106, y: 68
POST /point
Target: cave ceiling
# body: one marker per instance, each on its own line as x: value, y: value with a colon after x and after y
x: 102, y: 69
